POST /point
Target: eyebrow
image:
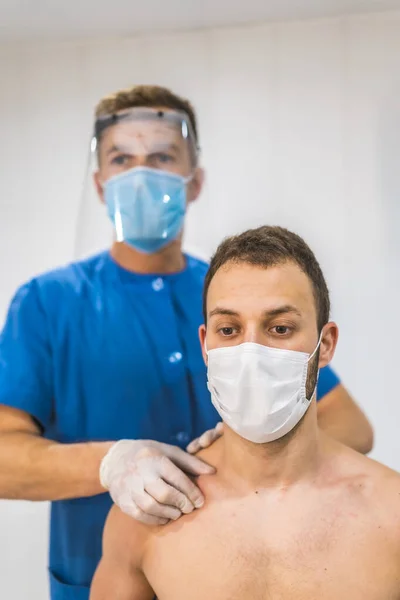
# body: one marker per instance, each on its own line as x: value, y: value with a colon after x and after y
x: 274, y: 312
x: 160, y: 148
x: 115, y: 148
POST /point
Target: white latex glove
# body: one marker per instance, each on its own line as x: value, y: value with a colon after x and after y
x: 206, y: 439
x: 146, y: 480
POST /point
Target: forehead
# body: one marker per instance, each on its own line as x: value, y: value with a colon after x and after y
x: 141, y: 129
x: 142, y: 136
x: 243, y: 287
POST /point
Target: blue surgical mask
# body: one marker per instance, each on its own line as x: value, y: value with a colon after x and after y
x: 147, y: 207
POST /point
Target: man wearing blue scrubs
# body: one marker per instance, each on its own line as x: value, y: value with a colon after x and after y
x: 102, y: 382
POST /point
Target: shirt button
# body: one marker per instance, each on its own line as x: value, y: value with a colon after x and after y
x: 182, y: 437
x: 158, y: 284
x: 175, y: 357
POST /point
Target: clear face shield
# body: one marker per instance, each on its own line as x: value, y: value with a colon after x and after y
x: 142, y: 163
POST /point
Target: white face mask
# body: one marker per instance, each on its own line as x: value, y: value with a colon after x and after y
x: 260, y: 392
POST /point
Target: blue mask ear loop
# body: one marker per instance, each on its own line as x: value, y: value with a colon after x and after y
x: 189, y: 178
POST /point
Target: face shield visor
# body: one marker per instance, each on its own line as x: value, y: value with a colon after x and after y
x: 142, y: 161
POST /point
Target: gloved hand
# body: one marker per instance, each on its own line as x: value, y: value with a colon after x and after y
x: 146, y: 480
x: 206, y: 439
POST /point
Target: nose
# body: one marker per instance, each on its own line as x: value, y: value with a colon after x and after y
x: 140, y: 161
x: 252, y: 334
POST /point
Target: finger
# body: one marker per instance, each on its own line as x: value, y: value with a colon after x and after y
x: 151, y: 507
x: 193, y: 447
x: 220, y: 428
x: 189, y: 463
x: 181, y: 482
x: 168, y: 496
x: 132, y: 510
x: 206, y: 439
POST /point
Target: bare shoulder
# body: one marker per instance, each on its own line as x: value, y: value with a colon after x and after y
x: 374, y: 473
x: 378, y: 473
x: 385, y: 484
x: 385, y: 504
x: 125, y: 536
x: 119, y: 573
x: 377, y: 488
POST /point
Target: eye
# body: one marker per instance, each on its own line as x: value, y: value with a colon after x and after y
x: 281, y: 330
x: 162, y: 158
x: 120, y: 160
x: 227, y: 331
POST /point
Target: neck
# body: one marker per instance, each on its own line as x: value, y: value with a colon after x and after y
x: 281, y: 463
x: 166, y: 261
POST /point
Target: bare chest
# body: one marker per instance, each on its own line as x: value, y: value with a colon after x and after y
x: 245, y: 550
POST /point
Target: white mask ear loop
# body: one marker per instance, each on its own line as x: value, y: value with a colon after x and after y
x: 309, y: 358
x: 316, y: 348
x: 205, y: 347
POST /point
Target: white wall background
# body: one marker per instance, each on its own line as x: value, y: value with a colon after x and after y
x: 300, y: 126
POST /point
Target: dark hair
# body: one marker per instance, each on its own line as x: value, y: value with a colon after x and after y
x: 267, y: 247
x: 147, y: 96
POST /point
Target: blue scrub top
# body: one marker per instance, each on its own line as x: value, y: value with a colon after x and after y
x: 95, y: 353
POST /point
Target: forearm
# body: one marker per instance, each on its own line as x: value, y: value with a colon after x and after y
x: 360, y: 439
x: 33, y: 468
x: 341, y: 418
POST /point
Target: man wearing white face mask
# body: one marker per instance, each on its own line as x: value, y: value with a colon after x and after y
x: 289, y: 513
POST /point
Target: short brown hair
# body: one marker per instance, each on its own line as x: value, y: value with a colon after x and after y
x: 150, y: 96
x: 268, y: 247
